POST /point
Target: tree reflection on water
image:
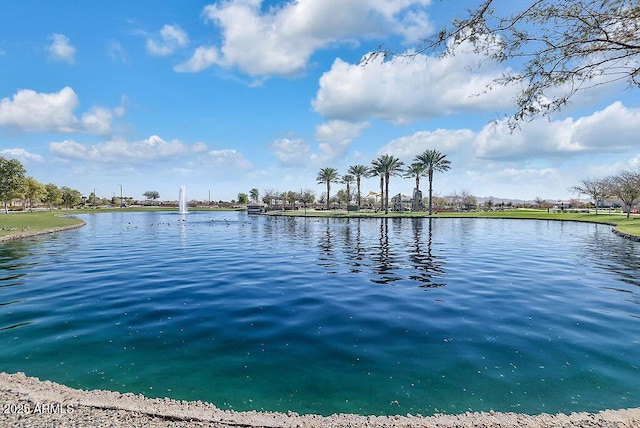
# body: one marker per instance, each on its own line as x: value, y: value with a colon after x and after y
x: 390, y: 251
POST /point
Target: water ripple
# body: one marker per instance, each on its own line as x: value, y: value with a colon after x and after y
x: 374, y: 316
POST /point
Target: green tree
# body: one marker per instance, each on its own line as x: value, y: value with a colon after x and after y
x: 376, y: 170
x: 327, y: 176
x: 151, y: 194
x: 554, y: 49
x: 387, y: 166
x: 358, y: 171
x: 598, y: 189
x: 254, y: 194
x: 243, y: 198
x: 342, y: 197
x: 415, y: 170
x: 11, y: 181
x: 626, y: 187
x: 291, y: 197
x: 307, y: 196
x: 348, y: 179
x: 70, y: 197
x: 33, y: 191
x: 53, y: 195
x: 269, y: 196
x: 432, y: 160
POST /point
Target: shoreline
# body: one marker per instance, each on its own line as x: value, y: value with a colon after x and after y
x: 16, y: 236
x: 28, y: 401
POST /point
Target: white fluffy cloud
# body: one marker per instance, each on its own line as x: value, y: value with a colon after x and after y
x: 226, y: 160
x: 21, y: 154
x: 406, y: 88
x: 152, y: 148
x: 444, y: 140
x: 335, y: 137
x: 291, y: 152
x: 171, y: 38
x: 202, y: 58
x: 60, y: 49
x: 31, y: 111
x: 279, y: 40
x: 611, y: 130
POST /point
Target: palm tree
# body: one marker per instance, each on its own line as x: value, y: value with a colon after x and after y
x: 348, y: 179
x: 358, y: 171
x: 432, y: 160
x: 415, y: 170
x: 387, y: 165
x: 376, y: 170
x: 327, y: 176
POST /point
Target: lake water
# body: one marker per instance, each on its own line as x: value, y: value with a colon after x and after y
x: 365, y: 316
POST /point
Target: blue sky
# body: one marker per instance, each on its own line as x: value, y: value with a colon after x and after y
x: 225, y: 96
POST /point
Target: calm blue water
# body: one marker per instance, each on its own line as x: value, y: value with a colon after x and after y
x: 367, y: 316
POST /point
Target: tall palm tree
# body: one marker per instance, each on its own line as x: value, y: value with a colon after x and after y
x: 432, y: 160
x: 327, y: 176
x: 358, y: 171
x: 415, y: 170
x: 348, y: 179
x: 387, y: 165
x: 377, y: 170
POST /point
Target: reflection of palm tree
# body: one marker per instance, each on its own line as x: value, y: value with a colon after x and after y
x: 326, y: 257
x: 423, y: 259
x: 432, y: 160
x: 383, y: 263
x: 327, y: 176
x: 358, y: 171
x: 386, y: 166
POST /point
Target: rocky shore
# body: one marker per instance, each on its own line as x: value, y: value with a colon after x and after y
x: 29, y: 402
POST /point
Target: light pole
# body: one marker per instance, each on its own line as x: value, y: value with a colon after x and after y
x: 121, y: 200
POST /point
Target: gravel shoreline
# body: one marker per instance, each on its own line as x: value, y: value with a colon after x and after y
x: 29, y: 402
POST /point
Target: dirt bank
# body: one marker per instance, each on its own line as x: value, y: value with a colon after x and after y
x: 29, y: 402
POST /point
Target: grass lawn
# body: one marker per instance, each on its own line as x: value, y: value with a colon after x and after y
x: 30, y: 222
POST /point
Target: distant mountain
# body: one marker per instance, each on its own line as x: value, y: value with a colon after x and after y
x: 496, y: 201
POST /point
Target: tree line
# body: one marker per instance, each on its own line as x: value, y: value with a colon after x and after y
x: 385, y: 167
x: 15, y: 184
x: 625, y: 186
